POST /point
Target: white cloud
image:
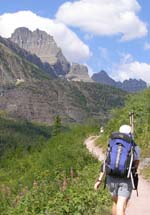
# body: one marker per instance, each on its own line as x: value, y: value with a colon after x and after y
x: 73, y: 48
x: 129, y: 68
x: 104, y: 17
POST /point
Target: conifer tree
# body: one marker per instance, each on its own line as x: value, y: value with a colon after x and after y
x: 57, y: 125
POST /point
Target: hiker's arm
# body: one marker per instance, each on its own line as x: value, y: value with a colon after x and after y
x: 100, y: 178
x: 99, y: 181
x: 102, y: 172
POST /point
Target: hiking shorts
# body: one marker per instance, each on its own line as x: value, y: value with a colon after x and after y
x: 119, y: 186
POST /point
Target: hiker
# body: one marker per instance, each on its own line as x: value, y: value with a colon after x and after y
x: 101, y: 130
x: 119, y: 179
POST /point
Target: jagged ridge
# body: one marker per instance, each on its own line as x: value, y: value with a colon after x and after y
x: 131, y: 85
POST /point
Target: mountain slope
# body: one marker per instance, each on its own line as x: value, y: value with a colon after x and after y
x: 32, y: 58
x: 14, y: 67
x: 73, y: 102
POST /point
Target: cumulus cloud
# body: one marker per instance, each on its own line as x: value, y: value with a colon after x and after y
x: 129, y: 68
x: 73, y: 48
x: 104, y: 17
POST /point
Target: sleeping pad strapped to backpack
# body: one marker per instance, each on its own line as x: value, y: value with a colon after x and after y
x: 119, y: 158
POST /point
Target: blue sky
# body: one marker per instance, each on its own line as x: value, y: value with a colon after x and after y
x: 111, y: 35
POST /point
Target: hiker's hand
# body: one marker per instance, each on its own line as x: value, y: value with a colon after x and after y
x: 97, y: 184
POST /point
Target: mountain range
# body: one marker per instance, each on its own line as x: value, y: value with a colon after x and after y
x: 131, y: 85
x: 38, y: 83
x: 41, y: 44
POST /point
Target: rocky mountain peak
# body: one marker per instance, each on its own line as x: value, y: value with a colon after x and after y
x: 44, y: 46
x: 134, y: 85
x: 103, y: 78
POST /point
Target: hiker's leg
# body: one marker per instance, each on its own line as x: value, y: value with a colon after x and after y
x: 124, y: 193
x: 125, y: 206
x: 114, y: 206
x: 121, y: 205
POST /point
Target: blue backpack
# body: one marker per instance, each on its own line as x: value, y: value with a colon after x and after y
x: 119, y: 158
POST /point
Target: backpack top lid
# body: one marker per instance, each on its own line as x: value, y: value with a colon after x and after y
x: 126, y: 129
x: 118, y: 135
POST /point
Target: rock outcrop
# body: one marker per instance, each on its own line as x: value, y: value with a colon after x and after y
x: 78, y: 73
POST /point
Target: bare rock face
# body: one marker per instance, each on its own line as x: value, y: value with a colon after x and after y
x: 43, y: 45
x: 78, y: 73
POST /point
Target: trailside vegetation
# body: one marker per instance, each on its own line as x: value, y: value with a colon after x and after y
x: 46, y: 174
x: 48, y: 171
x: 139, y: 104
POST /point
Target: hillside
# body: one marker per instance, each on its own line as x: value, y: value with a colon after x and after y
x: 74, y: 102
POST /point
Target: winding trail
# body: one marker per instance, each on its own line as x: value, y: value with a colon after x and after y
x: 138, y: 205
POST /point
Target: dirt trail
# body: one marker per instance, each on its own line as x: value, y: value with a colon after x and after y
x: 137, y: 205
